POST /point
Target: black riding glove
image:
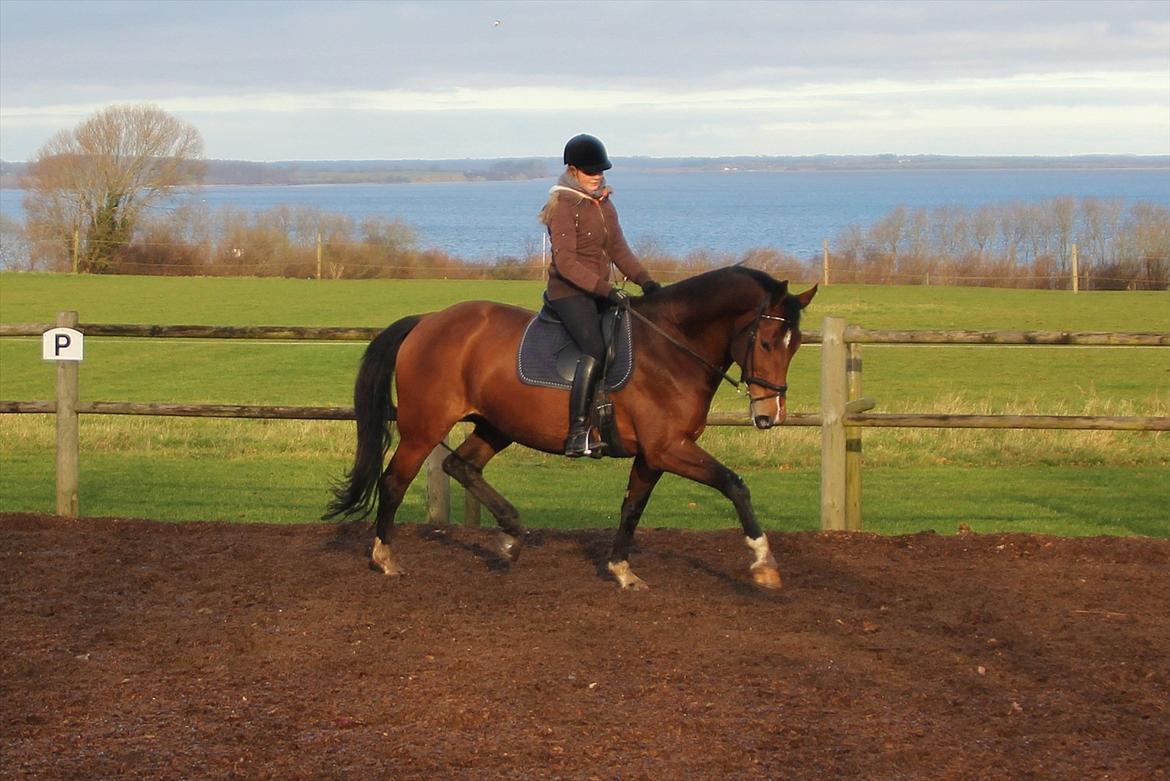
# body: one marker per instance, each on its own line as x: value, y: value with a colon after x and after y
x: 618, y: 296
x: 650, y: 288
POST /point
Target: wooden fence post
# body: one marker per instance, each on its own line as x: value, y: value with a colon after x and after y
x: 834, y: 392
x: 438, y: 488
x: 825, y: 262
x: 472, y: 510
x: 68, y: 430
x: 853, y: 444
x: 1076, y: 272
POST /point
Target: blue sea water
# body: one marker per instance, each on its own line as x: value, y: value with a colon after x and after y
x: 684, y: 212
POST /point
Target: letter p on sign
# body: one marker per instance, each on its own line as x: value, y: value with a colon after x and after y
x: 62, y: 344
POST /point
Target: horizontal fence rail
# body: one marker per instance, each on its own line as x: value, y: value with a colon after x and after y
x: 796, y: 419
x: 853, y: 334
x: 857, y: 335
x: 255, y: 412
x: 844, y: 411
x: 260, y: 332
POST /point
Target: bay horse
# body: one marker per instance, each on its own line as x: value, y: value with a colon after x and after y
x: 460, y: 364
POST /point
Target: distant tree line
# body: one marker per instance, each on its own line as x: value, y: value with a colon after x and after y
x: 374, y: 171
x: 240, y: 172
x: 1007, y: 245
x: 1115, y: 246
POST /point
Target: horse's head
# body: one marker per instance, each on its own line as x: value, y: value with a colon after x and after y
x: 769, y: 342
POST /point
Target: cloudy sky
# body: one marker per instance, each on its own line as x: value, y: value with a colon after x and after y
x: 398, y: 80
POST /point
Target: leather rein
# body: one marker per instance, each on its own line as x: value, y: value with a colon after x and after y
x: 744, y: 379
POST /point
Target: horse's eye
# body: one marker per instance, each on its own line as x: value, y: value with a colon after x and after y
x: 767, y: 346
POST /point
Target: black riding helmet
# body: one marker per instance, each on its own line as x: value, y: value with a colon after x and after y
x: 587, y: 153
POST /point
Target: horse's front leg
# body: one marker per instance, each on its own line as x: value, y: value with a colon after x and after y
x: 642, y: 482
x: 689, y: 460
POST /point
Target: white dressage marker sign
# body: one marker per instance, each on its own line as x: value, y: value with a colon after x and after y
x: 62, y: 344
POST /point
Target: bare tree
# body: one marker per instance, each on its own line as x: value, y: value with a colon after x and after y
x: 1151, y: 228
x: 93, y: 181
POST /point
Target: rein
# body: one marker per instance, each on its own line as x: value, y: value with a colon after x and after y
x: 780, y: 390
x: 653, y: 326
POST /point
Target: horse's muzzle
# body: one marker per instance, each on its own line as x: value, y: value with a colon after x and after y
x: 768, y: 412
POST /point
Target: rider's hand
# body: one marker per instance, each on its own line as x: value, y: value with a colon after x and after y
x: 618, y: 296
x: 650, y: 288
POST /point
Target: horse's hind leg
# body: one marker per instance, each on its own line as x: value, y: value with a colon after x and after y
x: 404, y: 465
x: 466, y: 466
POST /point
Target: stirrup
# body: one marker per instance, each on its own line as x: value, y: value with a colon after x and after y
x: 579, y: 443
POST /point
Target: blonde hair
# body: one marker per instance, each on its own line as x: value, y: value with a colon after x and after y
x: 545, y: 214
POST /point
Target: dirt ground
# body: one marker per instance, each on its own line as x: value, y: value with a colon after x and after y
x: 136, y: 649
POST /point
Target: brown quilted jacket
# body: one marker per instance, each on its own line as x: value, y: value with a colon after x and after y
x: 586, y: 238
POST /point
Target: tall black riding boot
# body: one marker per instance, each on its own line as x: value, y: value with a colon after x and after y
x: 585, y: 379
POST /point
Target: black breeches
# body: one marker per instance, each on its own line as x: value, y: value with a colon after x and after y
x: 582, y: 318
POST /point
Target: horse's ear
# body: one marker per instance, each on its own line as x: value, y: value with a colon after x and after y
x: 807, y: 296
x: 781, y: 292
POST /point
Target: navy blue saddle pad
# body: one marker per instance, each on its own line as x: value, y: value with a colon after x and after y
x: 548, y: 355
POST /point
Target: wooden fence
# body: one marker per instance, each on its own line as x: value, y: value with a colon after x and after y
x: 844, y: 412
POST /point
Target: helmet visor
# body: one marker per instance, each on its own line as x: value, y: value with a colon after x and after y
x: 596, y: 168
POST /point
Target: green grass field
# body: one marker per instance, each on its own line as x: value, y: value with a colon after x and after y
x: 278, y: 471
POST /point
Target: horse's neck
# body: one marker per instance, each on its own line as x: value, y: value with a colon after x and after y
x: 715, y: 312
x: 710, y: 323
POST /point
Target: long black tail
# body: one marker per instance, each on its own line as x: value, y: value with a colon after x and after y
x: 356, y: 496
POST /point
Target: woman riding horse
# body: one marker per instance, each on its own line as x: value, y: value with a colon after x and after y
x: 460, y: 364
x: 586, y: 238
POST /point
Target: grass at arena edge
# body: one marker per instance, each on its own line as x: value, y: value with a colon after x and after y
x: 377, y: 302
x: 557, y: 493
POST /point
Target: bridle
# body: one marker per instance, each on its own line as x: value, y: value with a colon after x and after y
x: 745, y: 376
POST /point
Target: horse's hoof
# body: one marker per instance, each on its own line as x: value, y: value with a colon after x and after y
x: 391, y: 570
x: 510, y: 547
x: 626, y: 577
x: 382, y: 561
x: 766, y: 577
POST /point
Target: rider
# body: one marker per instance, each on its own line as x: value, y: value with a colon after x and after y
x: 586, y: 238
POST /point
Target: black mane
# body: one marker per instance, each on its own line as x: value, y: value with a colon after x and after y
x: 698, y: 291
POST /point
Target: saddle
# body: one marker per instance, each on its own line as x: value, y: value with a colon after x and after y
x: 548, y: 357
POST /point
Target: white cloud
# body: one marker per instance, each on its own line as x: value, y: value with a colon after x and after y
x: 1037, y: 87
x: 666, y: 78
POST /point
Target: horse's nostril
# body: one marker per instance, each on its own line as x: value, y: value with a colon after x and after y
x: 763, y: 421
